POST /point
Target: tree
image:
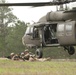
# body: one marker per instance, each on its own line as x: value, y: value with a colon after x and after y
x: 6, y: 17
x: 14, y: 38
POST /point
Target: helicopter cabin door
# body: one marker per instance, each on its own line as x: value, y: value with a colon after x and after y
x: 66, y: 33
x: 49, y: 37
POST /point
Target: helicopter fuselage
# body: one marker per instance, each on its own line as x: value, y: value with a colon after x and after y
x: 54, y: 29
x: 57, y: 28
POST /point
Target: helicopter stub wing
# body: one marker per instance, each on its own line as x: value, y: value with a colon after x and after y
x: 39, y: 24
x: 54, y: 2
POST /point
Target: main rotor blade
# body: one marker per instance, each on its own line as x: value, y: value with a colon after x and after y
x: 54, y: 2
x: 25, y: 4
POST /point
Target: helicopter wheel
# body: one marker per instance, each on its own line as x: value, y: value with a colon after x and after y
x: 39, y: 53
x: 71, y: 50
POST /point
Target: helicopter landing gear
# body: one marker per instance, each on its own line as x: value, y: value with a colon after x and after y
x: 39, y: 53
x: 71, y: 49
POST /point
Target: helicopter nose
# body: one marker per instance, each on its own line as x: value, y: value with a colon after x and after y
x: 23, y: 40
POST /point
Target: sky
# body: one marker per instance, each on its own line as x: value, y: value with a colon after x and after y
x: 31, y: 14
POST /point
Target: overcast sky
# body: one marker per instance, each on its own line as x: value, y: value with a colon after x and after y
x: 29, y: 14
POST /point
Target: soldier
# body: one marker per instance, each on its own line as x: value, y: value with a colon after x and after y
x: 15, y: 57
x: 26, y: 54
x: 22, y: 56
x: 11, y: 55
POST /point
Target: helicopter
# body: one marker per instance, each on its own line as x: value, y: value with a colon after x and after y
x: 52, y: 30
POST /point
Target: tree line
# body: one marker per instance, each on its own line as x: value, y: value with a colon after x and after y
x: 11, y: 31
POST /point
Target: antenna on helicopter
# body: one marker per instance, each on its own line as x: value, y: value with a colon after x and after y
x: 66, y: 7
x: 61, y: 7
x: 33, y: 21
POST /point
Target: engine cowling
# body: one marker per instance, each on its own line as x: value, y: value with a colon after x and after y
x: 60, y: 16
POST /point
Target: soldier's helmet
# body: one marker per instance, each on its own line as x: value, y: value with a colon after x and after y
x: 26, y: 50
x: 22, y: 53
x: 12, y: 54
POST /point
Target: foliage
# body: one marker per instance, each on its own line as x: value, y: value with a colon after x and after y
x: 14, y: 38
x: 6, y: 17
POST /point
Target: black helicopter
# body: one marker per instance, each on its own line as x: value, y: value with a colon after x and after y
x: 54, y: 29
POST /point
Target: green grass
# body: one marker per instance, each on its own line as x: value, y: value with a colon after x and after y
x: 9, y: 67
x: 57, y: 53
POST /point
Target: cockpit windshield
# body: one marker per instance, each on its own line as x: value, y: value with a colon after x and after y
x: 29, y: 30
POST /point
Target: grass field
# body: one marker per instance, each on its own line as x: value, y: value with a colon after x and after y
x: 9, y: 67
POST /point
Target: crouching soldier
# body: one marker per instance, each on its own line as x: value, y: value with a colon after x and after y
x: 26, y: 54
x: 22, y: 56
x: 11, y: 55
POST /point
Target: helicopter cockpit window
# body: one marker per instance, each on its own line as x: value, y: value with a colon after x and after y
x: 36, y: 33
x: 29, y: 31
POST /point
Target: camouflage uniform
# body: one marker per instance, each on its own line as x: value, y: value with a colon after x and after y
x: 22, y: 56
x: 12, y: 55
x: 16, y: 57
x: 26, y: 55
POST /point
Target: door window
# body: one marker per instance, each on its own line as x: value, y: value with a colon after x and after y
x: 68, y: 29
x: 60, y: 30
